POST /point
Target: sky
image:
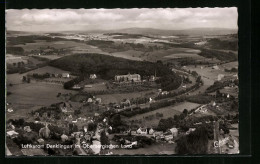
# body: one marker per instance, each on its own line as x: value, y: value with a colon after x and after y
x: 107, y: 19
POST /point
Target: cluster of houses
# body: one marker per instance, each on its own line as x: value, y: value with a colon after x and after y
x: 160, y: 92
x: 201, y: 109
x: 168, y: 136
x: 93, y: 100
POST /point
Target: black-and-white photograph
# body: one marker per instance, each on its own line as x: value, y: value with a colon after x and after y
x: 138, y: 81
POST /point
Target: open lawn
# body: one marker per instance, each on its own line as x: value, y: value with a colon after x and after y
x: 17, y: 78
x: 42, y: 43
x: 36, y: 93
x: 96, y: 87
x: 174, y: 53
x: 117, y: 98
x: 167, y: 112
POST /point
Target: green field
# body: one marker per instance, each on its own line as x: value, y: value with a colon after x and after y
x: 117, y: 98
x: 167, y: 112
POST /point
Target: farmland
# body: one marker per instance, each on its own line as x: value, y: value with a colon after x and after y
x: 169, y: 111
x: 147, y: 66
x: 116, y: 98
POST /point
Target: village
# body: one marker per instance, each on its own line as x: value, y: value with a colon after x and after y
x: 106, y: 127
x: 121, y: 87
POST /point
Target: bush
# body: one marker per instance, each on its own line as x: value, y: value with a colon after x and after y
x: 77, y: 112
x: 71, y: 83
x: 92, y: 127
x: 200, y: 99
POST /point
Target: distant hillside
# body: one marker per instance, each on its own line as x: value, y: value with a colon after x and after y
x: 150, y: 31
x: 108, y: 66
x: 194, y: 31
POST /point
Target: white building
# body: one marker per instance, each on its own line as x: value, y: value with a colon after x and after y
x: 174, y: 131
x: 65, y: 75
x: 93, y: 76
x: 151, y: 131
x: 129, y: 77
x: 141, y: 131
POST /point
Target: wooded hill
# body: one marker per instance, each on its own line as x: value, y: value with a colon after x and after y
x: 108, y: 66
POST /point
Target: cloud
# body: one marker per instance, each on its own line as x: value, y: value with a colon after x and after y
x: 89, y: 19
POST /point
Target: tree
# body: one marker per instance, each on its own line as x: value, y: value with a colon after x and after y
x: 103, y: 138
x: 194, y: 143
x: 82, y: 69
x: 115, y: 120
x: 77, y: 112
x: 28, y: 80
x: 185, y: 112
x: 218, y: 94
x: 159, y: 62
x: 24, y: 78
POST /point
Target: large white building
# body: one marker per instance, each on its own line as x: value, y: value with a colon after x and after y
x: 128, y: 78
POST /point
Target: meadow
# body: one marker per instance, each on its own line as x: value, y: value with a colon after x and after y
x: 167, y: 112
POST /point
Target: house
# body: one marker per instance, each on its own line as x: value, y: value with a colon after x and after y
x: 174, y: 132
x: 76, y: 87
x: 165, y: 93
x: 10, y: 110
x: 158, y: 133
x: 151, y: 131
x: 87, y: 137
x: 168, y: 137
x: 44, y: 132
x: 220, y: 76
x: 65, y: 106
x: 93, y: 76
x: 88, y: 86
x: 215, y: 67
x: 190, y: 130
x: 74, y: 121
x: 64, y: 137
x: 214, y: 103
x: 110, y: 127
x: 85, y: 129
x: 27, y: 129
x: 200, y: 43
x: 12, y: 134
x: 40, y: 141
x: 141, y: 131
x: 152, y: 78
x: 90, y: 100
x: 126, y: 103
x: 10, y: 126
x: 198, y: 123
x: 98, y: 100
x: 65, y: 75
